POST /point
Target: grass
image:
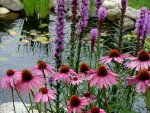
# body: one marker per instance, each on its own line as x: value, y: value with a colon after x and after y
x: 139, y: 3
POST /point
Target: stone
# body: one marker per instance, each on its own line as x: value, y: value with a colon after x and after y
x: 128, y: 23
x: 8, y: 108
x: 109, y: 5
x: 113, y: 14
x: 14, y: 5
x: 3, y: 10
x: 132, y: 13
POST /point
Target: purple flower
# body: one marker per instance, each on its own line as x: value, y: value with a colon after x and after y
x: 102, y: 12
x: 124, y: 4
x: 74, y: 7
x: 94, y: 35
x: 84, y: 15
x: 59, y: 29
x: 98, y: 3
x: 141, y: 21
x: 147, y: 25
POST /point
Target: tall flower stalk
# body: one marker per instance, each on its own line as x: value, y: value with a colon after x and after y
x: 140, y: 27
x: 102, y: 12
x: 59, y: 40
x: 124, y: 4
x: 73, y: 7
x: 84, y: 15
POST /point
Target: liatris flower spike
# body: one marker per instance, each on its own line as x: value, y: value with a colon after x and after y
x: 42, y: 66
x: 98, y: 3
x: 142, y: 80
x: 84, y: 15
x: 102, y: 77
x: 93, y: 35
x: 76, y: 104
x: 115, y: 55
x: 9, y: 79
x: 96, y: 110
x: 139, y: 62
x: 102, y: 12
x: 28, y: 81
x: 140, y: 23
x: 64, y: 74
x: 45, y: 95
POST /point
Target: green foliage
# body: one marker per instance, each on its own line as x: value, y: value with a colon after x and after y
x: 139, y: 3
x: 40, y: 7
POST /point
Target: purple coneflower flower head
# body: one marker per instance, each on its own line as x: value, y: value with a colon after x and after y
x: 9, y: 79
x: 141, y: 61
x: 76, y: 104
x: 142, y: 80
x: 98, y: 3
x: 28, y: 81
x: 140, y: 23
x: 93, y: 35
x: 43, y: 67
x: 64, y: 74
x: 102, y: 12
x: 76, y: 80
x: 45, y: 95
x: 103, y: 78
x: 96, y: 110
x: 84, y: 15
x: 113, y: 55
x: 89, y: 97
x: 59, y: 29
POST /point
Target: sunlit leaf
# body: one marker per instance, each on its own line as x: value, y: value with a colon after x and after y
x: 25, y: 41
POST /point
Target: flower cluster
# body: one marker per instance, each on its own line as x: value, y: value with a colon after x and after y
x: 93, y: 35
x: 98, y: 3
x: 142, y: 26
x: 59, y: 29
x: 84, y: 15
x: 102, y: 12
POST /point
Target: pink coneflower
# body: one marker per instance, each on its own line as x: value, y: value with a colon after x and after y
x: 89, y: 97
x: 84, y: 70
x: 75, y: 80
x: 96, y: 110
x: 102, y: 77
x: 76, y: 104
x: 45, y: 95
x: 28, y: 81
x: 42, y: 66
x: 9, y: 79
x: 64, y: 74
x: 115, y: 55
x: 142, y: 80
x: 139, y: 62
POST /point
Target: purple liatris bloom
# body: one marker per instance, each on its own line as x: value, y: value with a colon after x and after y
x: 59, y: 28
x: 124, y: 4
x: 102, y: 12
x: 147, y: 25
x: 140, y: 23
x: 73, y: 7
x: 98, y: 3
x: 84, y: 15
x: 93, y: 35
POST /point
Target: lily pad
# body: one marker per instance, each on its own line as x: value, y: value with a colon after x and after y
x: 42, y: 39
x: 33, y: 33
x: 12, y: 33
x: 25, y: 41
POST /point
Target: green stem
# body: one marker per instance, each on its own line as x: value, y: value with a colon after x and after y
x: 36, y: 103
x: 31, y: 102
x: 12, y: 92
x: 22, y: 101
x: 45, y: 108
x: 105, y: 98
x: 44, y: 78
x: 79, y: 51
